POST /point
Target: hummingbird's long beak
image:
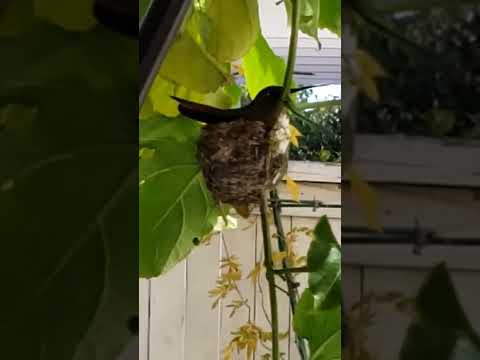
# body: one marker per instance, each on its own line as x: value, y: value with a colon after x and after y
x: 292, y: 91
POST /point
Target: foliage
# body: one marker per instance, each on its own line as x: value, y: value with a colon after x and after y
x: 321, y: 132
x: 441, y: 329
x: 435, y: 88
x: 219, y: 37
x: 58, y: 198
x: 261, y: 60
x: 318, y: 14
x: 318, y: 315
x: 184, y: 212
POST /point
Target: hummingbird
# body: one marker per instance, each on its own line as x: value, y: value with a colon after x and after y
x: 266, y: 107
x: 243, y: 151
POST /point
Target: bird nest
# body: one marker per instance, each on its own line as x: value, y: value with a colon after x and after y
x: 234, y: 157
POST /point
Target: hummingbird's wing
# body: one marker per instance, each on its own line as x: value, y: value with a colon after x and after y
x: 207, y: 114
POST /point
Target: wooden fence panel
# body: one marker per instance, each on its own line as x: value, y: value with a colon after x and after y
x: 201, y: 323
x: 167, y: 314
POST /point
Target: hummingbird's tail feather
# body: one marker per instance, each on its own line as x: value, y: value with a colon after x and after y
x: 205, y: 113
x: 292, y: 91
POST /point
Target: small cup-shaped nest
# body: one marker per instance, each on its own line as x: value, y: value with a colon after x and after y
x: 233, y: 157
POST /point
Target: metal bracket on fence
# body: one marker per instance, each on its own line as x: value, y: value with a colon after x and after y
x: 315, y: 204
x: 421, y: 238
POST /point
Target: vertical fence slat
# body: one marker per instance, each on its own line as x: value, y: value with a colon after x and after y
x: 201, y: 324
x: 387, y: 320
x: 241, y: 243
x: 143, y: 318
x: 167, y: 319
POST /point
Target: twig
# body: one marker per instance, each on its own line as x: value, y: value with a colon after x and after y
x: 270, y: 276
x: 225, y: 247
x: 265, y: 312
x: 292, y: 51
x: 282, y: 290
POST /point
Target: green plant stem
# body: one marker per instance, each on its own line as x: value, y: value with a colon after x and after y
x: 267, y: 247
x: 291, y: 284
x: 302, y: 269
x: 292, y: 50
x: 320, y: 104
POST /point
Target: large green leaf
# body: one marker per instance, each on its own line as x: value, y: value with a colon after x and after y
x: 187, y: 64
x: 318, y: 14
x: 262, y: 67
x: 175, y: 205
x: 441, y: 326
x: 157, y: 127
x: 71, y: 15
x: 324, y: 261
x: 318, y: 313
x: 162, y: 90
x: 234, y: 27
x: 320, y: 326
x: 69, y: 245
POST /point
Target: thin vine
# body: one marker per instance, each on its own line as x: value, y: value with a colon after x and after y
x: 270, y: 277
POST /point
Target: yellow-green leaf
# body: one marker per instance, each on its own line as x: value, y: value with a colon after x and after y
x: 262, y: 67
x: 367, y: 198
x: 234, y: 28
x: 146, y: 110
x: 278, y: 257
x: 71, y: 15
x: 369, y: 71
x: 292, y: 188
x: 146, y: 153
x: 294, y: 135
x: 255, y: 273
x: 187, y: 64
x: 159, y: 96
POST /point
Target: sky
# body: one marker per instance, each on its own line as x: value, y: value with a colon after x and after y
x: 327, y: 92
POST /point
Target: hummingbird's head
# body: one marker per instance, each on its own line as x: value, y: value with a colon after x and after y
x: 273, y: 94
x: 268, y: 104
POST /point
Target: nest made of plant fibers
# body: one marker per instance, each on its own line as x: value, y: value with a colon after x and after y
x: 233, y: 157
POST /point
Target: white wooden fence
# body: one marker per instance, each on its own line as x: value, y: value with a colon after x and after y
x: 423, y: 182
x: 176, y: 319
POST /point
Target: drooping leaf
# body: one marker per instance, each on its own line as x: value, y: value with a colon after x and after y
x: 187, y: 64
x: 262, y: 67
x: 441, y: 327
x: 294, y: 135
x: 71, y: 15
x: 234, y: 28
x: 369, y: 71
x: 175, y: 205
x: 321, y: 327
x: 367, y: 199
x: 292, y: 188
